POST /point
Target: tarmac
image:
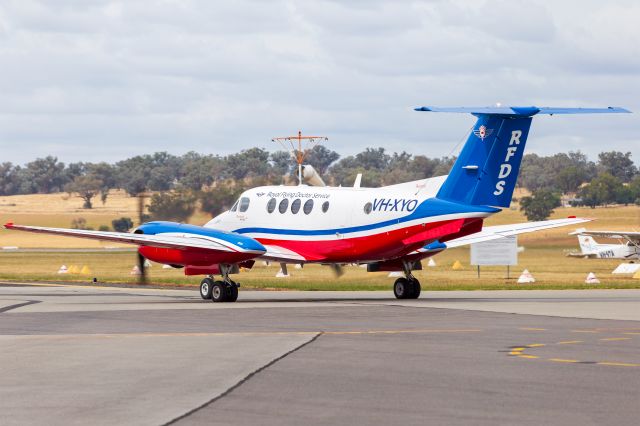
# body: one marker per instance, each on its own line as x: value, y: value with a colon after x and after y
x: 108, y: 355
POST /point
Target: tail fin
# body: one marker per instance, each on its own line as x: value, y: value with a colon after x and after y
x: 587, y: 244
x: 486, y: 171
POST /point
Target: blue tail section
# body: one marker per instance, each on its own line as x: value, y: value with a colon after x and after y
x: 486, y: 171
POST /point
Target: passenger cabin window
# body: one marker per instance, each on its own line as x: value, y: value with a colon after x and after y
x: 271, y: 205
x: 235, y: 206
x: 244, y: 204
x: 367, y: 208
x: 325, y: 206
x: 282, y: 207
x: 308, y: 206
x: 295, y: 206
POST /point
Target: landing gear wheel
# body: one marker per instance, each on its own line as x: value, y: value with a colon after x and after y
x: 416, y: 288
x: 232, y: 293
x: 206, y: 286
x: 402, y: 288
x: 219, y: 292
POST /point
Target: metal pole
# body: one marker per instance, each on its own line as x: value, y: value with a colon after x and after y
x: 299, y: 156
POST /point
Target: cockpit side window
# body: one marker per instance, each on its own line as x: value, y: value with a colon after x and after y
x: 244, y: 204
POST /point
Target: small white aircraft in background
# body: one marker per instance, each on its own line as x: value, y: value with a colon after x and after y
x: 391, y: 228
x: 628, y: 248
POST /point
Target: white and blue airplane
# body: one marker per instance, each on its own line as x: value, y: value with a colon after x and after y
x: 389, y: 229
x: 628, y: 247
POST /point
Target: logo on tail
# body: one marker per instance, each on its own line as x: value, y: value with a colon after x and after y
x: 482, y: 132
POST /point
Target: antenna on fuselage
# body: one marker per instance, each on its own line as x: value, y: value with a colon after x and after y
x: 298, y: 153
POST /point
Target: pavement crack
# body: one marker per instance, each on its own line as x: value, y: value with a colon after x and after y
x: 244, y: 380
x: 19, y: 305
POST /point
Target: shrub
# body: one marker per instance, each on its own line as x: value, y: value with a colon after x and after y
x: 122, y: 225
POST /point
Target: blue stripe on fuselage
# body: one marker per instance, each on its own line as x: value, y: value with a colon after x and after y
x: 428, y: 208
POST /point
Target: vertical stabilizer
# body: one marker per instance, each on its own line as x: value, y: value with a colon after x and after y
x: 587, y: 244
x: 486, y: 171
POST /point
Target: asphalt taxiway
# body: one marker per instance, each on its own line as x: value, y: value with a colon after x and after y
x: 103, y: 355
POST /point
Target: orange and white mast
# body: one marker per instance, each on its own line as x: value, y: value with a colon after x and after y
x: 299, y: 154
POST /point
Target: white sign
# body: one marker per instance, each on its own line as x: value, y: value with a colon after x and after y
x: 626, y: 268
x: 503, y: 251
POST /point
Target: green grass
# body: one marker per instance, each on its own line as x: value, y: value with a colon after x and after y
x: 549, y: 266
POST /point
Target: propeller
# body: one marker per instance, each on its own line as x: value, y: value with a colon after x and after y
x: 142, y: 278
x: 337, y: 269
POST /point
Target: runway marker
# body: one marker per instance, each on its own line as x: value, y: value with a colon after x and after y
x: 614, y: 339
x: 533, y: 329
x: 584, y: 331
x: 518, y: 351
x: 618, y: 364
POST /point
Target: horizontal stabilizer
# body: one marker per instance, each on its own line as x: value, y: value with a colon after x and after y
x: 489, y: 233
x: 523, y: 111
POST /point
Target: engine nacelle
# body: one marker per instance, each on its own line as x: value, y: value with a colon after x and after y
x: 192, y: 257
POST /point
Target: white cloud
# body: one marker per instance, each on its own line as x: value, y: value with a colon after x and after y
x: 103, y: 80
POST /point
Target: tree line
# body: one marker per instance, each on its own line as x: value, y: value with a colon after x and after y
x: 213, y: 182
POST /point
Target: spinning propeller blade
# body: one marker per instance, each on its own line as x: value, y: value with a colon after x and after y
x: 143, y: 271
x: 337, y: 269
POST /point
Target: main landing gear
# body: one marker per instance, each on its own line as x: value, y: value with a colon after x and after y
x: 407, y: 288
x: 219, y: 291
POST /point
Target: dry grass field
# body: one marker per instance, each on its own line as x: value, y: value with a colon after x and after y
x: 544, y: 253
x: 549, y: 266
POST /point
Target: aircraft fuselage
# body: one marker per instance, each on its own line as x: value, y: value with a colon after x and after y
x: 329, y: 224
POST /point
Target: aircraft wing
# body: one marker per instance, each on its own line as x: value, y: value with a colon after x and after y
x: 489, y: 233
x: 619, y: 235
x: 183, y: 241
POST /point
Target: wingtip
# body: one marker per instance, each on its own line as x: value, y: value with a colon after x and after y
x: 8, y: 225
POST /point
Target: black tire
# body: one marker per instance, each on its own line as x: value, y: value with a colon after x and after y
x: 232, y: 293
x: 415, y: 289
x: 206, y: 288
x: 218, y: 292
x: 402, y: 288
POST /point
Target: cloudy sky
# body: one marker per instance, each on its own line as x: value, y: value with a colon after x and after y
x: 92, y: 80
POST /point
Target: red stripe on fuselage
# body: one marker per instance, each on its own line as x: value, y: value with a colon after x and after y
x: 384, y: 245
